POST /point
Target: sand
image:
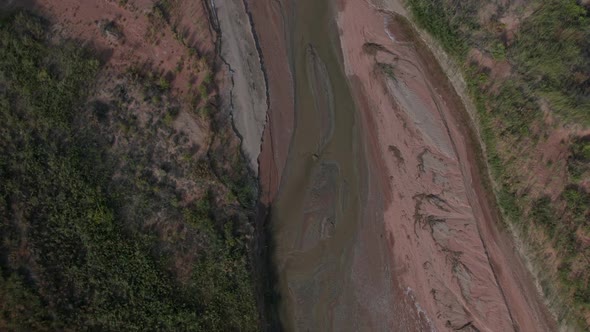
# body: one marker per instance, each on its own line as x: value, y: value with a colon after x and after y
x: 446, y: 248
x: 427, y: 253
x: 246, y: 96
x: 268, y: 18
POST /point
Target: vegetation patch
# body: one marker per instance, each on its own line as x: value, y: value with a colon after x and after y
x: 110, y: 218
x: 579, y: 160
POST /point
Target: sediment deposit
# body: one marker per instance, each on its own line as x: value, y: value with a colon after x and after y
x: 406, y: 239
x: 246, y: 93
x: 270, y: 22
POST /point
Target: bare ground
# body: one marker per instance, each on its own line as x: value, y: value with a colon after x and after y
x: 445, y: 237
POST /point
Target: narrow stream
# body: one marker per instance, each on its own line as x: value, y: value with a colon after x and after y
x: 317, y: 213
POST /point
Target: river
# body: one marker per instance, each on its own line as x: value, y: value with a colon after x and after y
x: 317, y: 212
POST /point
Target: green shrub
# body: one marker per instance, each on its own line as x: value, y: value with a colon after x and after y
x: 578, y: 201
x: 551, y: 52
x: 579, y: 161
x: 438, y: 21
x: 544, y: 214
x: 74, y: 211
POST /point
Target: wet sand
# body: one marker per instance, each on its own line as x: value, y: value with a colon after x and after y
x: 317, y: 210
x: 270, y: 23
x: 446, y: 247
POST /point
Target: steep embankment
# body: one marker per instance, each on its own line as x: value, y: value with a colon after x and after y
x: 527, y: 71
x: 246, y: 94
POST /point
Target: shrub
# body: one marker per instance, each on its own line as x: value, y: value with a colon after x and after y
x: 79, y: 248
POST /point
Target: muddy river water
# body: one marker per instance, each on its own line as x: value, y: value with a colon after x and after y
x: 317, y: 213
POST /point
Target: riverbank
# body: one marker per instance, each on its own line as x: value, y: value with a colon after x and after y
x: 532, y: 140
x: 463, y: 256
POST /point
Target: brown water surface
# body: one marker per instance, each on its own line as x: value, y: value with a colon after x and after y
x: 316, y: 215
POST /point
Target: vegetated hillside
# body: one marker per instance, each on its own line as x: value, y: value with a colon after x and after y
x: 112, y: 216
x: 527, y: 65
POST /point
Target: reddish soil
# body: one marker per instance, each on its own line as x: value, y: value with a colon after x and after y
x: 138, y: 37
x: 549, y: 175
x: 177, y: 47
x: 455, y: 264
x: 407, y: 314
x: 269, y: 23
x: 452, y: 267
